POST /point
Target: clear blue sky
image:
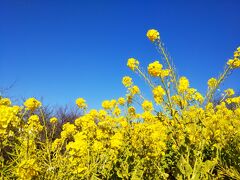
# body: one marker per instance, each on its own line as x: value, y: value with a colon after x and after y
x: 61, y: 50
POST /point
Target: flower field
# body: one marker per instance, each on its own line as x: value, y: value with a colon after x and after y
x: 179, y: 134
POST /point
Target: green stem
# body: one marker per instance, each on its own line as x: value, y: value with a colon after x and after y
x: 219, y: 81
x: 143, y: 75
x: 168, y: 63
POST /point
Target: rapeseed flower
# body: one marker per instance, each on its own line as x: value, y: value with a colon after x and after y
x: 183, y: 84
x: 212, y: 83
x: 132, y: 63
x: 127, y: 81
x: 134, y: 90
x: 158, y: 93
x: 5, y: 101
x: 132, y: 111
x: 155, y: 68
x: 153, y: 35
x: 121, y: 101
x: 229, y: 92
x: 32, y: 104
x: 147, y: 105
x: 81, y: 103
x: 107, y: 104
x: 53, y: 120
x: 234, y: 63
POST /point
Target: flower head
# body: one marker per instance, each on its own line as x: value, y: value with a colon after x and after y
x: 229, y: 92
x: 107, y: 104
x: 155, y: 68
x: 134, y: 90
x: 117, y: 111
x: 131, y: 111
x: 132, y: 63
x: 234, y: 63
x: 164, y: 73
x: 5, y: 101
x: 147, y: 105
x: 183, y: 84
x: 212, y: 83
x: 32, y: 104
x: 153, y: 34
x: 81, y: 103
x: 121, y: 101
x: 127, y: 81
x: 158, y: 93
x: 53, y: 120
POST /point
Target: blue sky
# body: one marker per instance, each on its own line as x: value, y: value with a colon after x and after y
x: 61, y: 50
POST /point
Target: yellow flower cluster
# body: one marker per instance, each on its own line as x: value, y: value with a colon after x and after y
x: 127, y: 81
x: 155, y: 68
x: 132, y: 63
x: 53, y: 120
x: 27, y: 169
x: 179, y: 135
x: 5, y: 101
x: 8, y: 118
x: 32, y: 104
x: 147, y: 105
x: 229, y: 92
x: 235, y: 63
x: 34, y: 124
x: 158, y: 93
x: 212, y: 83
x: 134, y: 90
x: 183, y: 84
x: 153, y: 35
x: 81, y: 103
x: 109, y: 104
x: 121, y: 101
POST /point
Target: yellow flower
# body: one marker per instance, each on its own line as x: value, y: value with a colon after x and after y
x: 183, y: 84
x: 5, y: 101
x: 236, y: 54
x: 27, y: 169
x: 155, y: 68
x: 234, y: 63
x: 131, y: 111
x: 68, y: 129
x: 8, y: 115
x: 116, y: 140
x: 121, y: 101
x: 113, y: 103
x: 129, y: 99
x: 229, y: 92
x: 107, y: 104
x: 97, y: 146
x: 34, y: 123
x: 153, y: 34
x: 134, y: 90
x: 147, y: 105
x: 212, y: 83
x: 117, y: 111
x: 148, y: 116
x: 32, y: 104
x: 33, y: 119
x: 53, y: 120
x: 164, y: 73
x: 132, y: 63
x: 81, y: 103
x: 158, y: 93
x: 127, y: 81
